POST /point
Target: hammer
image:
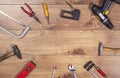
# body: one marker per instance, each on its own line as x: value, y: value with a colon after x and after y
x: 101, y: 48
x: 15, y: 51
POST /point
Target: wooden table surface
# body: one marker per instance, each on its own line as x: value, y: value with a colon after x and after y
x: 62, y: 42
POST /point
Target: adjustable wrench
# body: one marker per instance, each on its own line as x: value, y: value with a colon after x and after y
x: 72, y: 69
x: 24, y: 32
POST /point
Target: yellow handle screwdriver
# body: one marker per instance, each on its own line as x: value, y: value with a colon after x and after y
x: 45, y: 7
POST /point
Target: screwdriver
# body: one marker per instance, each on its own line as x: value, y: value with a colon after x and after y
x: 45, y: 7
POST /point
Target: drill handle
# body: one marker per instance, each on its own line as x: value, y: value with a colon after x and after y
x: 106, y: 5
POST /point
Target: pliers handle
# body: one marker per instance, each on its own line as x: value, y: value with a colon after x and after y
x: 30, y: 13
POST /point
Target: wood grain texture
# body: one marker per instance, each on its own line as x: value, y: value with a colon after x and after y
x: 56, y: 2
x: 87, y: 19
x: 62, y: 42
x: 46, y: 63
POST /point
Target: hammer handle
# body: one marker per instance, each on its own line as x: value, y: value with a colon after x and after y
x: 112, y: 49
x: 5, y: 56
x: 101, y: 72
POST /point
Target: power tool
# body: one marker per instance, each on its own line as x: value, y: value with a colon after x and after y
x: 101, y: 12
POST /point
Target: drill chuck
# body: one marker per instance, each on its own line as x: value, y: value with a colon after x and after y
x: 102, y: 17
x: 108, y: 24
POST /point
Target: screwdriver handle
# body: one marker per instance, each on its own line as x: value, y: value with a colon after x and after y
x: 45, y: 7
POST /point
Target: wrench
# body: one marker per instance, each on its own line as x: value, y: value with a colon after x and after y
x: 26, y: 29
x: 72, y: 69
x: 54, y: 70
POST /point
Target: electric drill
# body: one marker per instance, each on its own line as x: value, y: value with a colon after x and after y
x: 101, y: 12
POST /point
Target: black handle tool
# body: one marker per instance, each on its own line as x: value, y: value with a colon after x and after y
x: 101, y: 12
x: 102, y: 17
x: 73, y: 14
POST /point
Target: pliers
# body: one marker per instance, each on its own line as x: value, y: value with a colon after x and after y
x: 30, y: 13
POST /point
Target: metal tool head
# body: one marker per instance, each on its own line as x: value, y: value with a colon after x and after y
x: 89, y: 65
x: 100, y: 49
x: 71, y: 67
x: 36, y: 19
x: 17, y: 51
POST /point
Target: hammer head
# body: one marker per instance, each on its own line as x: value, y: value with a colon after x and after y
x: 100, y: 49
x: 17, y: 51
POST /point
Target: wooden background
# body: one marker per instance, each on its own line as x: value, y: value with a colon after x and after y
x: 61, y: 43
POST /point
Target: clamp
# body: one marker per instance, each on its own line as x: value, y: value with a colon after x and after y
x: 89, y: 65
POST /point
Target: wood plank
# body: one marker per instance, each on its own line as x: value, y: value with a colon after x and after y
x: 57, y: 2
x: 87, y: 19
x: 45, y: 63
x: 62, y: 41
